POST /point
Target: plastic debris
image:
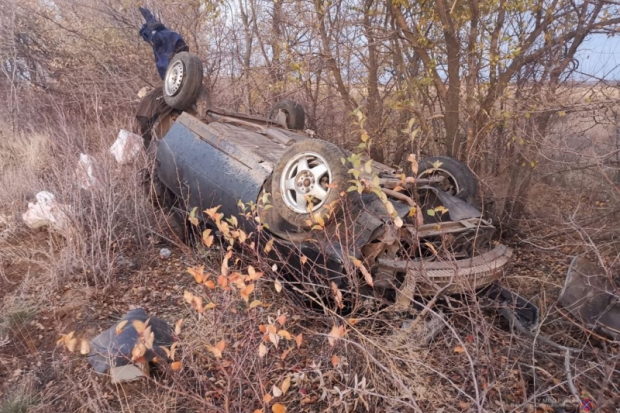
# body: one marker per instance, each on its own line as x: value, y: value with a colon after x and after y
x: 113, y: 348
x: 126, y: 147
x: 164, y: 253
x: 47, y: 212
x: 591, y: 297
x: 88, y: 173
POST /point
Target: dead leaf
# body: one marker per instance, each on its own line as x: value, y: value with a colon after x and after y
x: 276, y: 391
x: 120, y: 326
x: 176, y: 365
x: 255, y: 303
x: 268, y: 246
x: 259, y: 411
x: 362, y: 268
x: 192, y: 217
x: 245, y: 293
x: 207, y: 238
x: 285, y: 334
x: 337, y: 294
x: 262, y: 328
x: 138, y: 351
x: 71, y: 344
x: 222, y: 281
x: 335, y: 334
x: 198, y: 273
x: 282, y: 320
x: 139, y: 326
x: 298, y: 339
x: 459, y: 349
x: 278, y: 408
x: 210, y: 306
x: 262, y: 350
x: 304, y: 259
x: 177, y: 326
x: 210, y: 284
x: 286, y: 384
x: 225, y: 263
x: 353, y: 321
x: 267, y: 398
x: 217, y: 349
x: 84, y: 347
x: 285, y: 353
x: 211, y: 212
x: 335, y: 360
x: 277, y: 286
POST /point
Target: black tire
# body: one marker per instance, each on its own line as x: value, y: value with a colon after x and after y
x: 459, y: 179
x: 183, y: 81
x: 316, y: 153
x: 295, y: 114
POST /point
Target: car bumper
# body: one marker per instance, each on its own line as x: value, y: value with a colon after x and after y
x: 452, y: 277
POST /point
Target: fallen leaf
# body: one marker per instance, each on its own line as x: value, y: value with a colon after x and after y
x: 459, y: 349
x: 268, y: 246
x: 364, y: 270
x: 277, y: 286
x: 259, y: 411
x: 245, y: 293
x: 282, y: 320
x: 217, y: 349
x: 335, y: 334
x: 262, y: 328
x: 177, y: 327
x: 335, y: 360
x: 222, y: 281
x: 120, y: 326
x: 286, y: 384
x: 262, y: 350
x: 274, y: 338
x: 84, y: 347
x: 173, y: 350
x: 267, y: 398
x: 210, y: 306
x: 210, y: 284
x: 353, y: 321
x: 255, y: 303
x: 198, y: 273
x: 304, y: 259
x: 176, y: 365
x: 285, y: 353
x: 276, y: 391
x: 225, y: 262
x: 337, y: 294
x: 138, y: 351
x: 278, y: 408
x: 139, y: 326
x: 285, y: 334
x: 298, y: 339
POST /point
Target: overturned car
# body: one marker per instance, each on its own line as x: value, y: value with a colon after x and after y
x: 326, y: 212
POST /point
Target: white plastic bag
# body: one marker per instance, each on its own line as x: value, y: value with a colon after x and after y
x: 126, y: 147
x: 87, y: 172
x: 47, y: 212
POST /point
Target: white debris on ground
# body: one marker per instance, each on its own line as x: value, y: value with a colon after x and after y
x: 47, y: 212
x: 126, y: 147
x: 88, y: 172
x: 164, y: 253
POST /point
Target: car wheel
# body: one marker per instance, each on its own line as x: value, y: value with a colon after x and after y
x: 293, y: 111
x: 458, y: 181
x: 183, y: 81
x: 307, y: 181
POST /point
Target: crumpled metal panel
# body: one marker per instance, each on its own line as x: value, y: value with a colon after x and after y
x: 206, y: 176
x: 589, y: 296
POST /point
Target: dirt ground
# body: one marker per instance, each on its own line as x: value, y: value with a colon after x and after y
x: 36, y: 375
